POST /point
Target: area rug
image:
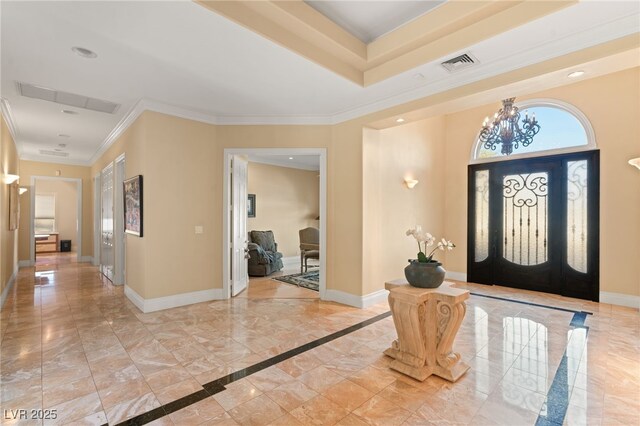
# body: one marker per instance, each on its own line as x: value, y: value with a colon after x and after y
x: 310, y: 280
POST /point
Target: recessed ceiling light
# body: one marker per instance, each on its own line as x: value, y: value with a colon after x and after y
x: 400, y: 120
x: 68, y: 111
x: 85, y: 53
x: 62, y: 135
x: 576, y: 74
x: 290, y: 158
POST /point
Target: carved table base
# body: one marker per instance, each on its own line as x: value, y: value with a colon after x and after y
x: 427, y: 321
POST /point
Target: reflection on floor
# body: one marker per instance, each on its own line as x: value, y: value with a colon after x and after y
x: 56, y: 258
x: 76, y: 345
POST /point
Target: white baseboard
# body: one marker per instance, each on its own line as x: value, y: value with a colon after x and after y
x: 167, y: 302
x: 458, y: 276
x: 7, y: 289
x: 24, y: 263
x: 620, y: 299
x: 88, y: 259
x: 356, y: 301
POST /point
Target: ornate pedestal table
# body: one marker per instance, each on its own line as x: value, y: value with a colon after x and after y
x: 427, y: 321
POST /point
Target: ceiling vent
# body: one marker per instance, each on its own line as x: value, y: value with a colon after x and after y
x: 460, y: 62
x: 56, y: 153
x: 66, y: 98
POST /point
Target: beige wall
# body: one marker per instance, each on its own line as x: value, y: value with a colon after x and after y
x: 35, y: 168
x: 66, y: 193
x: 287, y: 200
x: 8, y: 239
x: 413, y: 151
x: 367, y: 214
x: 612, y: 104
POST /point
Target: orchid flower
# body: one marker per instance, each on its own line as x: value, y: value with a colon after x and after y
x: 428, y: 240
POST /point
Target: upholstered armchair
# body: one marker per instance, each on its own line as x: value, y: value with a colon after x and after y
x: 264, y: 258
x: 309, y: 246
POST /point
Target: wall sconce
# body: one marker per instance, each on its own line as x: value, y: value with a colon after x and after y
x: 22, y: 190
x: 411, y: 183
x: 635, y: 162
x: 9, y: 179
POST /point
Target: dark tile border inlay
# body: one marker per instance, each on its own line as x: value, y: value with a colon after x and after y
x: 557, y: 308
x: 555, y: 406
x: 218, y: 385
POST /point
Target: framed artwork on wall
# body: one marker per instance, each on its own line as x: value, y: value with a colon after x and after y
x: 133, y: 206
x: 251, y: 205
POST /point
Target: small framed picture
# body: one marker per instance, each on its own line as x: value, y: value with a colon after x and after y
x: 133, y: 206
x: 251, y: 205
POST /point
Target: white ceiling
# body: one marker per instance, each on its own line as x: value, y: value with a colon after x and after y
x: 181, y: 58
x: 368, y: 20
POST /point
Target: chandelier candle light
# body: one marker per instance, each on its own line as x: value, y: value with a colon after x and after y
x: 504, y: 129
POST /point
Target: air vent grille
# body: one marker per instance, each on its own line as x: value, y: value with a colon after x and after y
x: 460, y: 62
x: 56, y: 153
x: 65, y: 98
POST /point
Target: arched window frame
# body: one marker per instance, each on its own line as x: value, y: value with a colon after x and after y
x: 550, y: 103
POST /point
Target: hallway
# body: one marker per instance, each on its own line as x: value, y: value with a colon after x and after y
x: 73, y: 344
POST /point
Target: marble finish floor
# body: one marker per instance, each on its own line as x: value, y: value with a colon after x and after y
x: 74, y: 345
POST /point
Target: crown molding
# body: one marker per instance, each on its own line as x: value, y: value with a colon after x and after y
x: 607, y: 39
x: 128, y: 119
x: 11, y: 124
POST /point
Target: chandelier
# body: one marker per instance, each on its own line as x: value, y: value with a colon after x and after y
x: 504, y: 129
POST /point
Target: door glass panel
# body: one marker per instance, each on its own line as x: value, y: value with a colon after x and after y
x: 482, y: 215
x: 577, y: 215
x: 525, y: 218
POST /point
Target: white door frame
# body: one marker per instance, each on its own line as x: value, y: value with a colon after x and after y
x: 226, y: 203
x: 118, y: 222
x: 97, y: 208
x: 32, y: 245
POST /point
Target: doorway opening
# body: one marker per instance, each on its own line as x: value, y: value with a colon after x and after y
x: 282, y: 190
x: 56, y: 220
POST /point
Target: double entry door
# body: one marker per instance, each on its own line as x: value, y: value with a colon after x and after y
x: 534, y: 224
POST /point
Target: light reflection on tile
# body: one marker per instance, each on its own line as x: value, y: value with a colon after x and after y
x: 78, y: 343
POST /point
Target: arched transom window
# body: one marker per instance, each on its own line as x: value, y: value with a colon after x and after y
x: 563, y: 128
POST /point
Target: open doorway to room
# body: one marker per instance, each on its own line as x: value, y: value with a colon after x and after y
x: 56, y: 231
x: 282, y: 241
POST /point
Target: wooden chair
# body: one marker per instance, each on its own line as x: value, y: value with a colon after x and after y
x: 309, y: 246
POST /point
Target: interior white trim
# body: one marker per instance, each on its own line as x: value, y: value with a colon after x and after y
x: 129, y: 118
x: 7, y: 289
x: 97, y: 200
x: 24, y: 263
x: 620, y: 299
x: 8, y: 118
x: 458, y: 276
x: 544, y: 102
x: 119, y: 175
x: 32, y: 192
x: 356, y: 301
x: 86, y: 259
x: 174, y: 301
x: 226, y: 203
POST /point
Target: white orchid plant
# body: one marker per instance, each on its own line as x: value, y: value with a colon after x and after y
x: 428, y: 240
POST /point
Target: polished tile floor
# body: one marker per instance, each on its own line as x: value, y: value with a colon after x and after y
x: 74, y: 345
